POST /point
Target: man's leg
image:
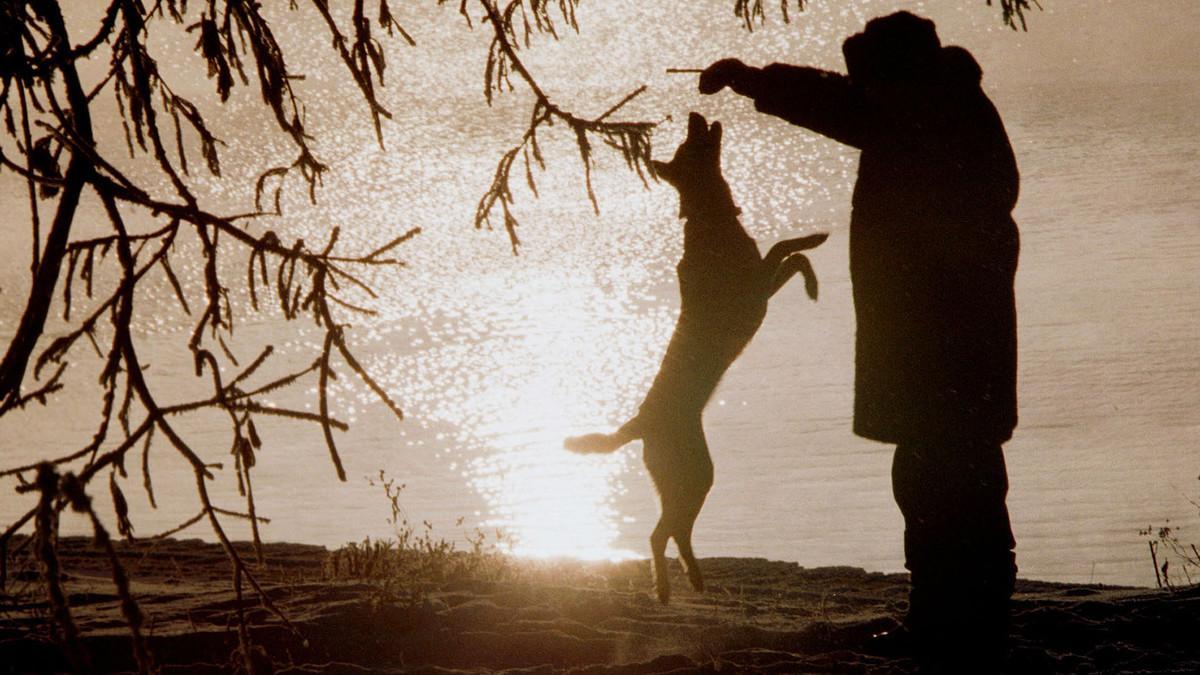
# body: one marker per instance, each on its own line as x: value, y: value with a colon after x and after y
x: 958, y: 546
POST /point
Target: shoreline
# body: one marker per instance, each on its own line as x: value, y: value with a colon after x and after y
x: 480, y: 613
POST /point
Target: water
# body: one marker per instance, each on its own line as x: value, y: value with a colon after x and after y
x: 496, y: 358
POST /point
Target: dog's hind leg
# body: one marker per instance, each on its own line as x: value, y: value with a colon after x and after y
x: 658, y: 549
x: 683, y: 540
x: 688, y: 505
x: 682, y: 471
x: 680, y: 509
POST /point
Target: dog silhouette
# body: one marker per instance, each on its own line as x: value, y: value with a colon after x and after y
x: 724, y: 286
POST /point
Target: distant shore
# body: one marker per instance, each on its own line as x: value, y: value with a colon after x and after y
x: 524, y: 616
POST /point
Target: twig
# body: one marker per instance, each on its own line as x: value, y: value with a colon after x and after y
x: 1154, y: 561
x: 632, y: 139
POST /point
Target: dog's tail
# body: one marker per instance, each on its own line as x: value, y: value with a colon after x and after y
x: 590, y: 444
x: 599, y: 443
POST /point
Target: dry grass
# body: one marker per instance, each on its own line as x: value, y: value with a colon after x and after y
x: 415, y: 557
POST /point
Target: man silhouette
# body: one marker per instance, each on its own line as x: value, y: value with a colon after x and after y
x: 933, y: 253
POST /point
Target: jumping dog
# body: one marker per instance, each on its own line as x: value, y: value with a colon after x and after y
x: 724, y: 284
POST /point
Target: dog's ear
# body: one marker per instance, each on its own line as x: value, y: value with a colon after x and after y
x: 714, y: 137
x: 697, y: 125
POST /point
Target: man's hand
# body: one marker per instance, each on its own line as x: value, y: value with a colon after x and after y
x: 723, y: 73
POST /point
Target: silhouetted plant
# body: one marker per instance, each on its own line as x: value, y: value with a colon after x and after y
x: 415, y: 557
x: 1165, y: 540
x: 1013, y: 12
x: 750, y: 11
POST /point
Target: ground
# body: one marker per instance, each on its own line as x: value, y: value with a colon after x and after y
x: 483, y: 614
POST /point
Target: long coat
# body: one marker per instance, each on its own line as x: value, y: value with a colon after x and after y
x: 933, y: 246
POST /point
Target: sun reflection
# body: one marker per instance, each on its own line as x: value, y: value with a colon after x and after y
x: 547, y: 352
x: 551, y: 503
x: 548, y: 501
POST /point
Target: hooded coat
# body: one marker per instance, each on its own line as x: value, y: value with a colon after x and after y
x: 933, y: 245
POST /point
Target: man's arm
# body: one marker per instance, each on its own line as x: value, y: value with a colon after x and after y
x: 820, y: 100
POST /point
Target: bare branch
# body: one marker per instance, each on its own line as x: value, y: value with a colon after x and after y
x: 632, y: 139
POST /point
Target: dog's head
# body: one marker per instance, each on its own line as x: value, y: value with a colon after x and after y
x: 697, y: 161
x: 698, y: 155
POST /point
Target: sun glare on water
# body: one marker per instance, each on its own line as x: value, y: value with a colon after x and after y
x: 551, y: 502
x: 563, y: 357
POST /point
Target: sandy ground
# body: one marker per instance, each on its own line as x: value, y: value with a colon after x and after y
x: 757, y: 616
